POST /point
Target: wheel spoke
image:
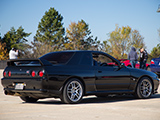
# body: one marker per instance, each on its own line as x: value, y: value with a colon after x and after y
x: 77, y: 95
x: 72, y: 96
x: 73, y: 85
x: 69, y: 91
x: 144, y: 92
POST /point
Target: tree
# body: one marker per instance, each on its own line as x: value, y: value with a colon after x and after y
x: 137, y: 40
x: 106, y: 47
x: 40, y: 48
x: 155, y: 51
x: 79, y: 37
x: 121, y: 40
x: 50, y: 29
x: 3, y: 52
x: 15, y: 38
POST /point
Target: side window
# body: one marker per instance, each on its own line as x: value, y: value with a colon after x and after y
x: 103, y: 60
x: 58, y: 57
x: 86, y: 59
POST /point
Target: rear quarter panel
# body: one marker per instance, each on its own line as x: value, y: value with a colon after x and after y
x: 58, y: 76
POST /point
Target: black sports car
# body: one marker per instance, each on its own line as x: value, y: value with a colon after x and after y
x: 70, y: 75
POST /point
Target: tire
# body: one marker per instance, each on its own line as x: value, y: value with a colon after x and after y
x: 144, y: 88
x: 72, y: 92
x: 28, y: 99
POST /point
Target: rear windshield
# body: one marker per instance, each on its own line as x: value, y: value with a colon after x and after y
x: 58, y: 57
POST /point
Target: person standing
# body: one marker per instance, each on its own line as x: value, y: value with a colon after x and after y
x: 133, y: 57
x: 13, y: 53
x: 143, y: 58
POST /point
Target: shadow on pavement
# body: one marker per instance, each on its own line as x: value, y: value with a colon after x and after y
x: 94, y: 99
x: 110, y: 99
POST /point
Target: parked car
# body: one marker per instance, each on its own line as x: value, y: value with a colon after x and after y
x: 155, y: 65
x: 128, y: 64
x: 70, y: 75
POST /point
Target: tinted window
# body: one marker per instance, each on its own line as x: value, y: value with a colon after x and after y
x: 86, y: 59
x: 103, y: 60
x: 58, y: 57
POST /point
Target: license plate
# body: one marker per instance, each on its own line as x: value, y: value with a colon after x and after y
x: 19, y: 86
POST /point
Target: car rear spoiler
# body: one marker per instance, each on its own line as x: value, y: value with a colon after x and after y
x: 25, y: 62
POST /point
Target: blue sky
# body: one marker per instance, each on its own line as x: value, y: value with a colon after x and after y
x: 101, y: 15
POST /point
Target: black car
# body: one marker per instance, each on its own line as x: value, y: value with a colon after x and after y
x: 70, y: 75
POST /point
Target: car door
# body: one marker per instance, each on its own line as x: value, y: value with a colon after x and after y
x: 109, y: 75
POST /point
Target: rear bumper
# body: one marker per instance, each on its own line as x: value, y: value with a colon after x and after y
x: 26, y: 90
x: 37, y: 87
x: 38, y: 93
x: 33, y: 91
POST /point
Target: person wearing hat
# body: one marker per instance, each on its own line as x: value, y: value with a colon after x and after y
x: 133, y: 57
x: 13, y: 53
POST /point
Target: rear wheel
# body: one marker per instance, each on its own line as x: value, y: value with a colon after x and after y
x: 28, y: 99
x: 73, y: 91
x: 144, y: 88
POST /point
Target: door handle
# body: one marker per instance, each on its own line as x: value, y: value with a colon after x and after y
x: 99, y: 71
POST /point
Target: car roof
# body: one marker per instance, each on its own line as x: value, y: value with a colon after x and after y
x: 77, y: 51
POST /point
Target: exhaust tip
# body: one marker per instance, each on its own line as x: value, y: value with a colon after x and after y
x: 8, y: 92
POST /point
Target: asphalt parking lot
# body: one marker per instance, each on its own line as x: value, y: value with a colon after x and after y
x: 91, y: 108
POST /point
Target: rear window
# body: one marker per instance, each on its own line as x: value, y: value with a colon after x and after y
x: 58, y: 57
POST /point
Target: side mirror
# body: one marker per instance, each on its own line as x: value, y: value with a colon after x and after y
x: 122, y: 65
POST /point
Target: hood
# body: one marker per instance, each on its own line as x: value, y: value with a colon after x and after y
x: 140, y: 72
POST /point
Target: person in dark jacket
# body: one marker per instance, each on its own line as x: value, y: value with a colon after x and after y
x: 143, y: 58
x: 133, y: 57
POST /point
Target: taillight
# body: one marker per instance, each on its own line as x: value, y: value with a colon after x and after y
x: 4, y: 73
x: 33, y: 73
x: 9, y: 73
x: 152, y: 61
x: 41, y: 73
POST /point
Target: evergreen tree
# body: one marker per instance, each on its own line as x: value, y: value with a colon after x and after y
x: 15, y: 38
x: 50, y: 29
x: 155, y: 51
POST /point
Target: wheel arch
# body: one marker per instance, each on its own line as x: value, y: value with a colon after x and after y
x: 147, y: 77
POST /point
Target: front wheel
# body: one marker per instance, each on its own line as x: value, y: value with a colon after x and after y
x: 73, y: 91
x: 144, y: 88
x: 28, y: 99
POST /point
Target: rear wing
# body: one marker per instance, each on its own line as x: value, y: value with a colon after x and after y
x: 28, y: 62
